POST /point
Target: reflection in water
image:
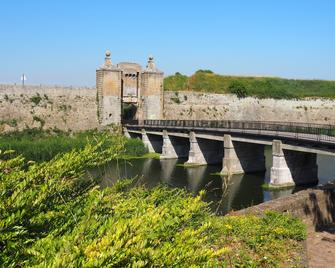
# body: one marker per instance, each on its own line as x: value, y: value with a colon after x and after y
x: 326, y: 166
x: 168, y: 167
x: 230, y: 187
x: 269, y: 195
x: 195, y: 178
x: 241, y: 191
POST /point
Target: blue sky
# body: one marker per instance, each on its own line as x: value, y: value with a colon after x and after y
x: 63, y: 41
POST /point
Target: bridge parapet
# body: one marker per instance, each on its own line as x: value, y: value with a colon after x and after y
x: 317, y: 133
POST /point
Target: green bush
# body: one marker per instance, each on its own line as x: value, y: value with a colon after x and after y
x: 36, y: 99
x: 205, y: 71
x: 238, y: 89
x: 52, y: 216
x: 135, y: 147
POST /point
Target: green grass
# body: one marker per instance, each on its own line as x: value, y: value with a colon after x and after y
x: 146, y: 155
x: 261, y: 87
x: 51, y: 216
x: 269, y: 187
x: 176, y: 82
x: 217, y: 174
x: 39, y: 145
x: 187, y: 165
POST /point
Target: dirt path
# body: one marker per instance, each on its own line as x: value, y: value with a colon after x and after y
x: 321, y: 247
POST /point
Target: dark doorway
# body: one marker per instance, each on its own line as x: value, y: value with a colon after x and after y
x: 128, y: 112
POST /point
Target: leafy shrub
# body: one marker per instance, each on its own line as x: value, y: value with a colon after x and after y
x: 36, y: 99
x: 40, y: 120
x: 238, y: 89
x: 51, y: 215
x: 134, y: 147
x: 204, y: 71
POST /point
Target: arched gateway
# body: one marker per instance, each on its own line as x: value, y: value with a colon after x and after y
x: 125, y: 91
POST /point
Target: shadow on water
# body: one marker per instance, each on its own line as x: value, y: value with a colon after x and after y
x: 223, y: 194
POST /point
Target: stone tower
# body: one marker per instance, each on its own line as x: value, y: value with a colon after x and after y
x: 151, y: 101
x: 108, y: 83
x: 126, y: 84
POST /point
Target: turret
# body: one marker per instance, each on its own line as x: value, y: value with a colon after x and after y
x: 151, y: 101
x: 108, y: 83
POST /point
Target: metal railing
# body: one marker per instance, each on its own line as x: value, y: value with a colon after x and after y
x: 313, y: 131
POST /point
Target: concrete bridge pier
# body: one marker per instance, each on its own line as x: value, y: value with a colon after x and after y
x: 174, y: 147
x: 241, y: 157
x: 292, y: 167
x: 126, y: 133
x: 154, y: 143
x: 203, y: 152
x: 195, y: 155
x: 131, y: 135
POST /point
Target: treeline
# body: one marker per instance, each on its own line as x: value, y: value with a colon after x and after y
x: 261, y: 87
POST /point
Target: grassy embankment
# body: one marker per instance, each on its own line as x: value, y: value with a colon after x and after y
x: 261, y: 87
x: 43, y: 145
x: 51, y: 216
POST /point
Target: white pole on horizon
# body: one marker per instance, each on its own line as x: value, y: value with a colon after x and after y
x: 23, y: 78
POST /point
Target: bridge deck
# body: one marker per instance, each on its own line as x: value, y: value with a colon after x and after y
x: 307, y: 138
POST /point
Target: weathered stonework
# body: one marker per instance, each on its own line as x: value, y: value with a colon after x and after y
x: 127, y: 83
x: 185, y: 105
x: 242, y: 157
x: 196, y: 155
x: 291, y: 167
x: 168, y: 150
x: 108, y: 82
x: 203, y: 152
x: 64, y: 108
x: 314, y: 206
x: 153, y: 143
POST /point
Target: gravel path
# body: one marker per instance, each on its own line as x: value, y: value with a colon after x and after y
x: 321, y: 247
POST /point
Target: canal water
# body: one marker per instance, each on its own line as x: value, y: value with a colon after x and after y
x: 223, y: 193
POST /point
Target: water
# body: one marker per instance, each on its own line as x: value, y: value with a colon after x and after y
x: 224, y: 194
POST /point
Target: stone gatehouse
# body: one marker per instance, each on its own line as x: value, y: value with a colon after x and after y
x: 128, y: 85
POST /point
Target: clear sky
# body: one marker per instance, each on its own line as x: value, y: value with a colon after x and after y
x: 63, y: 41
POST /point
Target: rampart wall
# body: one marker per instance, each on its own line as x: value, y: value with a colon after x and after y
x: 205, y: 106
x: 65, y: 108
x: 75, y: 108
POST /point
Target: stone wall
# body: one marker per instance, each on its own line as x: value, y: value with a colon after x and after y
x: 65, y: 108
x: 75, y: 109
x: 190, y: 105
x: 315, y: 207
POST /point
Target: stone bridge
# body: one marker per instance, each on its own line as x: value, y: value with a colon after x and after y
x: 239, y: 145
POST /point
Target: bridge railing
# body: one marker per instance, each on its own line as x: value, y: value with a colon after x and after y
x: 316, y: 131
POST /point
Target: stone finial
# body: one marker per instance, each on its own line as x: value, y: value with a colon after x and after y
x: 108, y: 61
x: 151, y: 66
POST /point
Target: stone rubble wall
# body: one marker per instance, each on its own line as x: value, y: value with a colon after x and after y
x: 315, y: 207
x: 75, y: 108
x: 65, y: 108
x: 206, y: 106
